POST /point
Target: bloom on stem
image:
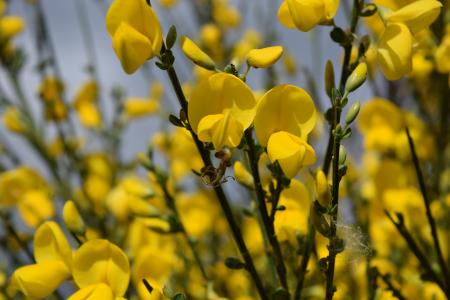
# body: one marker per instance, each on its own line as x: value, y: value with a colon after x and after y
x: 220, y: 109
x: 265, y: 57
x: 285, y: 116
x: 135, y: 31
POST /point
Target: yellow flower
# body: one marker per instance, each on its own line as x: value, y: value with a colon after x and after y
x: 13, y: 120
x: 220, y: 109
x: 242, y: 175
x: 140, y: 107
x: 14, y: 184
x: 135, y: 31
x: 395, y: 51
x: 196, y: 55
x: 294, y: 219
x: 35, y: 207
x: 85, y: 105
x: 306, y: 14
x: 10, y: 26
x: 284, y: 108
x: 225, y: 15
x: 265, y: 57
x: 54, y: 260
x: 99, y: 261
x: 72, y: 218
x: 418, y: 15
x: 291, y: 152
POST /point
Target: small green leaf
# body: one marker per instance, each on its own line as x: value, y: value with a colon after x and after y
x: 171, y: 37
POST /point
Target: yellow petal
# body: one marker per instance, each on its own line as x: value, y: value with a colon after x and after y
x: 306, y: 14
x: 220, y: 92
x: 39, y: 281
x: 50, y: 244
x: 284, y: 16
x: 222, y: 130
x: 242, y: 175
x: 72, y: 218
x: 284, y: 107
x: 196, y: 55
x: 265, y: 57
x: 131, y: 47
x: 394, y: 51
x: 36, y: 207
x: 89, y: 115
x: 99, y: 261
x: 93, y: 292
x: 417, y: 15
x: 291, y: 152
x: 87, y: 93
x: 138, y: 107
x: 10, y: 26
x: 138, y: 15
x: 331, y: 7
x: 13, y: 119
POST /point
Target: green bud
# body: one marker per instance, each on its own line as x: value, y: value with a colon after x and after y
x: 352, y: 113
x: 171, y: 37
x: 342, y: 155
x: 356, y: 78
x: 319, y: 222
x: 329, y: 78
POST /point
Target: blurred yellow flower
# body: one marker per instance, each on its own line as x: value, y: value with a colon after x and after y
x: 13, y: 119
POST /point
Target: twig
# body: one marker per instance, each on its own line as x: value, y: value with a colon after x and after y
x: 415, y: 249
x: 430, y: 218
x: 266, y: 220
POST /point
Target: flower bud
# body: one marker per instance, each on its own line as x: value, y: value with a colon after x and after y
x: 329, y: 78
x: 322, y: 189
x: 196, y: 55
x: 72, y: 218
x: 356, y: 78
x: 265, y: 57
x: 342, y: 155
x: 319, y: 222
x: 352, y: 113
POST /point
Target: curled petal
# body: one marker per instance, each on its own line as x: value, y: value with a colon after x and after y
x: 417, y: 15
x: 284, y: 107
x: 99, y: 261
x: 395, y: 50
x: 291, y: 152
x: 50, y: 244
x: 39, y: 281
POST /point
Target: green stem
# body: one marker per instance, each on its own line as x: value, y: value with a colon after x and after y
x: 262, y: 207
x: 224, y: 203
x: 304, y: 263
x: 330, y: 288
x: 170, y: 201
x: 430, y: 218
